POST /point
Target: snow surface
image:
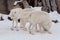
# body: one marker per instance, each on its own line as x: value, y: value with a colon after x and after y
x: 7, y: 34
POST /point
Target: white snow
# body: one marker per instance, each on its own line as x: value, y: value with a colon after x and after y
x: 7, y: 34
x: 17, y: 2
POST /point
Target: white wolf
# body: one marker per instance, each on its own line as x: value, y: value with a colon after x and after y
x: 34, y: 17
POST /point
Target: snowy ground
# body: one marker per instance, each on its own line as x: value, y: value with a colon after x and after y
x: 7, y: 34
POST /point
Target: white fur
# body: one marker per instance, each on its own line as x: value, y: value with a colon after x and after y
x: 17, y: 13
x: 37, y: 17
x: 14, y: 14
x: 34, y: 17
x: 42, y: 18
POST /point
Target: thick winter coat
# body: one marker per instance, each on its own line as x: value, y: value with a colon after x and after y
x: 34, y: 17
